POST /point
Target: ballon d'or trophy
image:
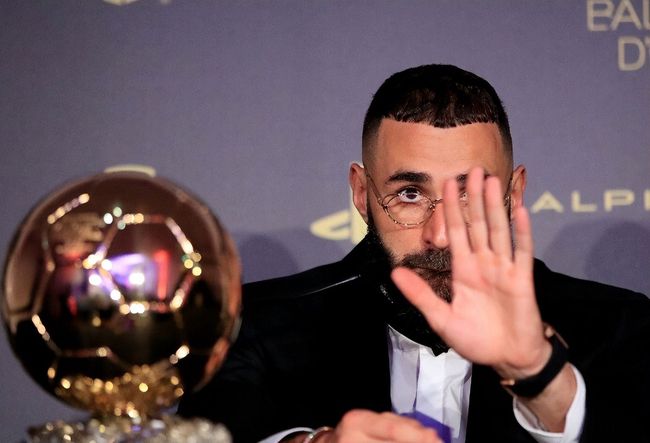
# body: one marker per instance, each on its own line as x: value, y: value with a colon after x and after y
x: 120, y: 293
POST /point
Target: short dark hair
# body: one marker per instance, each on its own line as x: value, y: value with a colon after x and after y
x: 443, y: 96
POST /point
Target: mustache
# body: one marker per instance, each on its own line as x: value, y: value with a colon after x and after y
x: 434, y: 266
x: 438, y: 260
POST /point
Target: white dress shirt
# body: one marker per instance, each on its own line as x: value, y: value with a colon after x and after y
x: 439, y: 386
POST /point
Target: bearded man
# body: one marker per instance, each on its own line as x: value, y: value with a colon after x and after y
x: 440, y: 325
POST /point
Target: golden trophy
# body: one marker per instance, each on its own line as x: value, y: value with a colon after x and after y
x: 120, y: 293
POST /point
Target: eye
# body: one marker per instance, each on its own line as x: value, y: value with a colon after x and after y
x: 410, y: 195
x: 462, y: 196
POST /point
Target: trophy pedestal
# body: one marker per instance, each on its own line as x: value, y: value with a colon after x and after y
x: 167, y: 429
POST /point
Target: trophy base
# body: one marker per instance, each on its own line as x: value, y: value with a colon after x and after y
x: 166, y: 429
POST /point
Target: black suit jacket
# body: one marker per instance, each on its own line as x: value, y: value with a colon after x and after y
x: 313, y: 346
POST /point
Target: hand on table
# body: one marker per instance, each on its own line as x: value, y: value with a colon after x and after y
x: 361, y: 426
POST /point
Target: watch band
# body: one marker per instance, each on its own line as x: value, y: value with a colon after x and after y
x: 535, y: 384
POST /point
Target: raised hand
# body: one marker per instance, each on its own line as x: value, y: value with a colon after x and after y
x: 493, y: 318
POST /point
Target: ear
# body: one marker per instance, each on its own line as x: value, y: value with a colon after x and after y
x: 359, y: 186
x: 518, y: 187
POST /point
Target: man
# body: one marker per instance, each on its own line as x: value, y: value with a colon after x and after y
x: 340, y: 345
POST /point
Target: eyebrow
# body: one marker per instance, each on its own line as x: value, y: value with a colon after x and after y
x: 461, y: 179
x: 423, y: 177
x: 409, y: 176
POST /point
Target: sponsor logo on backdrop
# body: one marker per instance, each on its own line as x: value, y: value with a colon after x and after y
x: 611, y: 200
x: 347, y: 224
x: 629, y: 20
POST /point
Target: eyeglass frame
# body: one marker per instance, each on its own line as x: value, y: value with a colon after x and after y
x: 432, y: 203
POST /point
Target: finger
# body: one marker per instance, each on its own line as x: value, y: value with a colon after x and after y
x: 456, y: 227
x: 497, y: 219
x: 478, y: 232
x: 523, y: 239
x: 420, y: 294
x: 394, y: 428
x: 367, y: 426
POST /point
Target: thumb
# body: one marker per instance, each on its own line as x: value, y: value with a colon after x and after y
x: 420, y: 294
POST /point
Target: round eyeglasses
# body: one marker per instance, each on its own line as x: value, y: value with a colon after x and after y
x: 410, y: 207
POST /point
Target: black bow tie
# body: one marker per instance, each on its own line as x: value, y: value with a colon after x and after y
x: 402, y: 316
x: 398, y: 312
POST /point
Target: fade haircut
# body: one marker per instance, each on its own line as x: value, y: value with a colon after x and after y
x: 443, y: 96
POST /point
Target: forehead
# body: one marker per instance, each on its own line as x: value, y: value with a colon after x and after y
x: 441, y: 153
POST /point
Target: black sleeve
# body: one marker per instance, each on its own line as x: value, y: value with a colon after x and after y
x: 236, y: 395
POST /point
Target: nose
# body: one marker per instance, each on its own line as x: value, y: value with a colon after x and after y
x: 434, y: 230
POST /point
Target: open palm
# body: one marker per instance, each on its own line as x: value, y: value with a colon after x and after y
x: 493, y: 318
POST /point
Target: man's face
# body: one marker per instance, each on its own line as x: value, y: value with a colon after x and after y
x: 423, y: 157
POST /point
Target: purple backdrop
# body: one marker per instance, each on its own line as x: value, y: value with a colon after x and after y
x: 256, y: 106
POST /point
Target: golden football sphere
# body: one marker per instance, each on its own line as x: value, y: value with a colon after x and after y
x: 120, y: 292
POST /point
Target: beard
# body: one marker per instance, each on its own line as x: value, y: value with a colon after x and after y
x: 433, y: 265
